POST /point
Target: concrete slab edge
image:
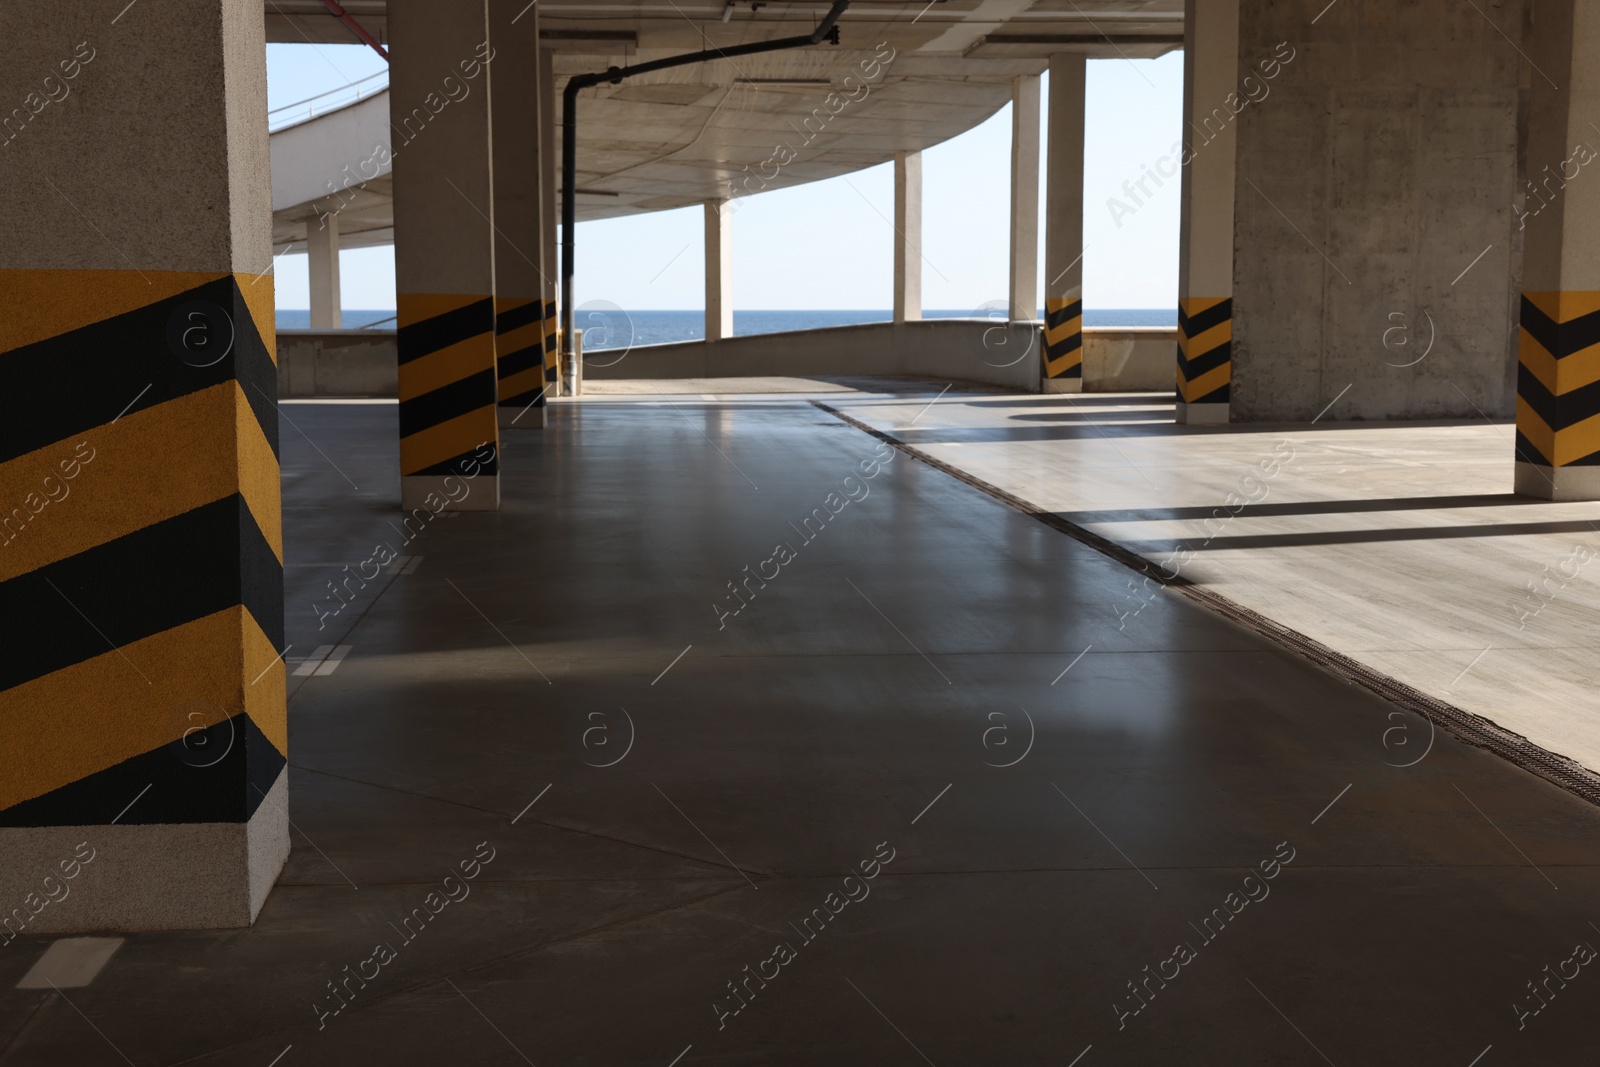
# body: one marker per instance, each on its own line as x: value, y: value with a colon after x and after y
x: 1466, y: 726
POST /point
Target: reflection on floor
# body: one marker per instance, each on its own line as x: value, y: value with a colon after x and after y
x: 1417, y: 558
x: 735, y: 738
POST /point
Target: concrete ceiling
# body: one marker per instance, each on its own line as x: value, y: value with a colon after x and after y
x: 681, y: 136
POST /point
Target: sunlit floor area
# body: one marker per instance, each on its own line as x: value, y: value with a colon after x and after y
x: 1400, y: 545
x: 738, y: 735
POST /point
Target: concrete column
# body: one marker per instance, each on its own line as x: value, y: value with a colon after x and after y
x: 444, y: 254
x: 518, y: 214
x: 1205, y: 235
x: 908, y: 236
x: 719, y: 270
x: 1378, y: 253
x: 142, y: 727
x: 322, y: 250
x: 1558, y: 403
x: 1024, y: 291
x: 549, y: 254
x: 1063, y: 228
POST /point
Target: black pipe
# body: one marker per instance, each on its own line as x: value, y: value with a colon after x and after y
x: 827, y: 29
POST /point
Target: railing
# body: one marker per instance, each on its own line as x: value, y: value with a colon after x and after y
x: 332, y: 100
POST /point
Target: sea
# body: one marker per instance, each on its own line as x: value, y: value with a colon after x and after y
x: 608, y: 326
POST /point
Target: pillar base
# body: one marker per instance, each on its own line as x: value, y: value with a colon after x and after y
x: 1061, y: 385
x: 430, y: 492
x: 1201, y: 414
x: 150, y: 876
x: 1557, y: 483
x: 527, y: 417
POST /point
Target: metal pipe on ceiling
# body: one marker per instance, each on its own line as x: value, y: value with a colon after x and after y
x: 827, y: 30
x: 355, y: 27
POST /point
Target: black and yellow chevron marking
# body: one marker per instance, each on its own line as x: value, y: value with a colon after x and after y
x: 1205, y: 349
x: 1558, y: 379
x: 140, y: 550
x: 1063, y: 338
x: 552, y: 344
x: 448, y: 386
x: 519, y: 352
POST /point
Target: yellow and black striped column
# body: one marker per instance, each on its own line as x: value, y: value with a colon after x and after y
x: 1558, y: 396
x: 519, y: 268
x: 519, y: 358
x: 1063, y: 346
x: 143, y: 545
x: 142, y: 722
x: 1558, y: 351
x: 552, y: 349
x: 444, y: 254
x: 1205, y: 231
x: 1205, y: 357
x: 448, y: 427
x: 1062, y: 367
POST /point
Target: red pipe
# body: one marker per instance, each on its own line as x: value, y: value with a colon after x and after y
x: 356, y: 27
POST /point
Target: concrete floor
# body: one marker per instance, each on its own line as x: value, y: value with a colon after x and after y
x: 666, y: 801
x: 1417, y: 553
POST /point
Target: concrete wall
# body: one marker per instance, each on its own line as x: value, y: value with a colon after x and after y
x: 1381, y: 162
x: 337, y: 363
x: 1134, y: 360
x: 363, y: 362
x: 973, y: 350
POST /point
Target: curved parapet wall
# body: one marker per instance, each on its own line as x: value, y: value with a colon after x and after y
x: 350, y: 363
x: 362, y: 362
x: 1126, y: 360
x: 973, y: 350
x: 1130, y: 359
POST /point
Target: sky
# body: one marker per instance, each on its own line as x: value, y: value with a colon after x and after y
x: 829, y: 244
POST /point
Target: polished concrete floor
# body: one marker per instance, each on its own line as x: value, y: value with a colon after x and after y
x: 933, y: 691
x: 1418, y: 559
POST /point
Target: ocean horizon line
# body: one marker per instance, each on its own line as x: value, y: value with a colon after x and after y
x: 974, y: 313
x: 613, y: 328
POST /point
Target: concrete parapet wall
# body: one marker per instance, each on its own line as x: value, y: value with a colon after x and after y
x: 1135, y: 360
x: 972, y: 350
x: 363, y: 362
x: 337, y: 363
